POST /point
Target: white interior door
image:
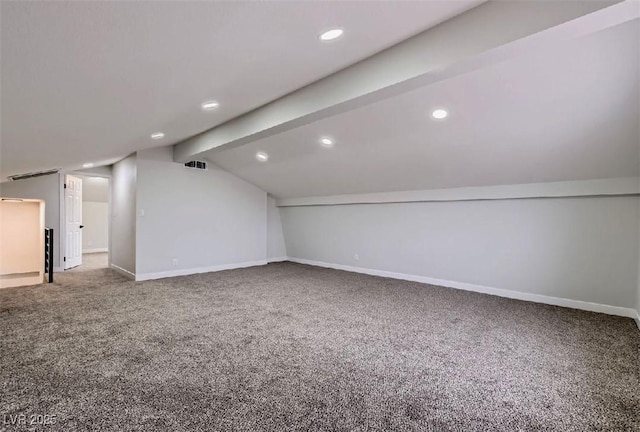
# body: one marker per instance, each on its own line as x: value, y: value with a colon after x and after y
x: 73, y: 212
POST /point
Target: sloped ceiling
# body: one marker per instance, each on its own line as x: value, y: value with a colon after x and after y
x: 566, y: 113
x: 90, y: 81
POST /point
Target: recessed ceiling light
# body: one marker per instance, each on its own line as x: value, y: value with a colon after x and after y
x: 326, y: 142
x: 210, y: 105
x: 262, y: 156
x: 87, y: 165
x: 157, y: 135
x: 331, y: 34
x: 439, y: 114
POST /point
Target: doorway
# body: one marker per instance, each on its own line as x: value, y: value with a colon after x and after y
x: 87, y: 222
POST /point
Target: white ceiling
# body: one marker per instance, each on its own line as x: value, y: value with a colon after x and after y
x: 568, y: 113
x: 89, y: 81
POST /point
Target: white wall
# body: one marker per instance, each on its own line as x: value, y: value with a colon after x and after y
x: 95, y: 234
x: 582, y: 249
x: 95, y: 213
x: 46, y: 188
x: 123, y: 214
x: 276, y: 249
x: 95, y: 188
x: 101, y: 171
x: 203, y: 219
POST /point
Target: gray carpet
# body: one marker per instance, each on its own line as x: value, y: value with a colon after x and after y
x: 291, y: 347
x: 92, y: 261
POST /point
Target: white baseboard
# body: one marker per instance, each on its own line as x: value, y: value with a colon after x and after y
x: 123, y: 272
x: 190, y: 271
x: 95, y: 250
x: 536, y: 298
x: 637, y: 317
x: 58, y: 269
x: 277, y: 259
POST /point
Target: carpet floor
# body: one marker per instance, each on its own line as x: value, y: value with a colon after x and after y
x: 92, y: 261
x: 289, y: 347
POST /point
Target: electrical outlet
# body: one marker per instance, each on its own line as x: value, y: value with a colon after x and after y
x: 356, y: 257
x: 175, y: 262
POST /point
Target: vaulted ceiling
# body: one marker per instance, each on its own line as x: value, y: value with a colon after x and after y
x: 570, y: 112
x: 90, y: 81
x: 535, y: 91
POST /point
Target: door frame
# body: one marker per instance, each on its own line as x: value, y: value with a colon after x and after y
x: 71, y: 178
x: 63, y: 226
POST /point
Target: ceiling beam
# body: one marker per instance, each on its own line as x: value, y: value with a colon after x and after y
x: 622, y: 186
x: 485, y: 35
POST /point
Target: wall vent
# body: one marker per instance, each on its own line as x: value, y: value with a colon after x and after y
x: 33, y: 174
x: 196, y: 165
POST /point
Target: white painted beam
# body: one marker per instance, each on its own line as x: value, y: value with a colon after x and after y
x: 482, y: 36
x: 583, y: 188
